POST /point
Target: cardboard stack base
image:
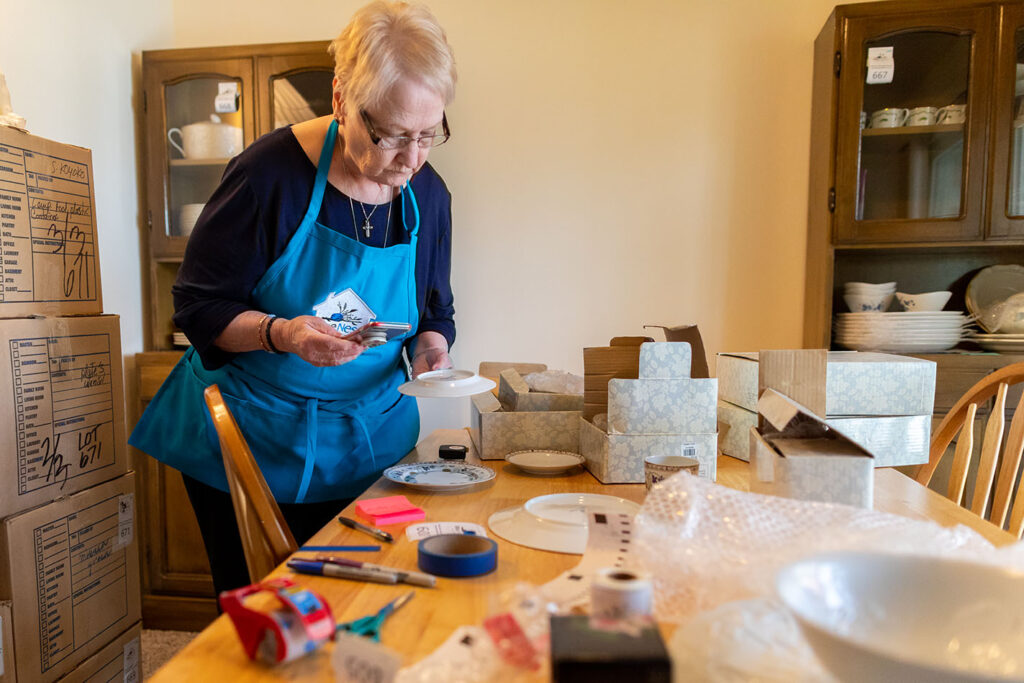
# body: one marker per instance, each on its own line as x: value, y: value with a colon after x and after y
x: 71, y: 572
x: 120, y: 660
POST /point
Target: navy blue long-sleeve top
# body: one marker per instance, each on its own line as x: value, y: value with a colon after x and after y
x: 254, y: 212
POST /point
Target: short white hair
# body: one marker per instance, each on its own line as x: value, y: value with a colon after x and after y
x: 386, y: 42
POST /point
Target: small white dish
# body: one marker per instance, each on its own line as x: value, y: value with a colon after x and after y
x: 544, y: 461
x: 449, y: 383
x: 879, y: 617
x: 556, y: 522
x: 440, y: 475
x: 928, y: 301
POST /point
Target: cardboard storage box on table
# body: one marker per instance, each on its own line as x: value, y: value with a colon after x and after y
x: 796, y: 455
x: 61, y: 408
x: 523, y: 420
x: 49, y: 263
x: 664, y: 411
x: 882, y: 402
x: 71, y: 572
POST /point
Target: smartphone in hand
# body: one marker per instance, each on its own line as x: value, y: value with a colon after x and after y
x: 375, y: 333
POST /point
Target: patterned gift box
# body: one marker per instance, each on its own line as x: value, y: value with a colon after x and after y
x: 665, y: 360
x: 619, y: 458
x: 798, y: 456
x: 894, y: 441
x: 662, y: 406
x: 856, y: 383
x: 496, y: 433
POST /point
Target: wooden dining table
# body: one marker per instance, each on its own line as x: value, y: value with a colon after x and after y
x: 434, y: 613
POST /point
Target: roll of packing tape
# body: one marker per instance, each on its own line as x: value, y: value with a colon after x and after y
x: 620, y: 594
x: 458, y: 555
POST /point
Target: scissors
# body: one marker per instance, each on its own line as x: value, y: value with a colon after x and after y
x: 369, y: 626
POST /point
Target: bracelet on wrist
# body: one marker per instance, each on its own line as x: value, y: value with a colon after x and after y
x: 270, y: 339
x: 259, y: 332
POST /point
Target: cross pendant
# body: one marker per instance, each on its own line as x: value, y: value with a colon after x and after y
x: 367, y: 227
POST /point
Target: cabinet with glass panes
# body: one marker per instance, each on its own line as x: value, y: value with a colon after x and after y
x: 199, y: 107
x: 917, y: 148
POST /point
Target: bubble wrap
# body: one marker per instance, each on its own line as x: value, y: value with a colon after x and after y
x: 706, y: 544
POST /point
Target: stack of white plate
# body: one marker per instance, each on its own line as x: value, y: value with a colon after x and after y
x: 179, y: 339
x: 907, y: 332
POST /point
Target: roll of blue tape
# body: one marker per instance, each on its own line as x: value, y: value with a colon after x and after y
x: 458, y: 555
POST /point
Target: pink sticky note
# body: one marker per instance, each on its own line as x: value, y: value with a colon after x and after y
x: 388, y: 510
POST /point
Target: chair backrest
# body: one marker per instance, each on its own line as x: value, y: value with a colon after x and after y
x: 960, y: 419
x: 266, y: 539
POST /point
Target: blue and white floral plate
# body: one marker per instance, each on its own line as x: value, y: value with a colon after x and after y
x: 440, y: 475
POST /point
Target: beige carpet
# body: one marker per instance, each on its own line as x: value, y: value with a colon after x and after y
x: 159, y: 646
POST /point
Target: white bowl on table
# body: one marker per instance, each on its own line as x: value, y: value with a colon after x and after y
x: 880, y: 617
x: 928, y: 301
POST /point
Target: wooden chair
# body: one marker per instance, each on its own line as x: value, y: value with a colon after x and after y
x: 961, y: 419
x: 266, y: 539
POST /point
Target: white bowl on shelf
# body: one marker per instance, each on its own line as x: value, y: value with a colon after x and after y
x: 881, y: 617
x: 928, y: 301
x: 866, y: 287
x: 859, y: 303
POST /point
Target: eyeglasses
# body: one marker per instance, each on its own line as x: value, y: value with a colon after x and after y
x: 390, y: 142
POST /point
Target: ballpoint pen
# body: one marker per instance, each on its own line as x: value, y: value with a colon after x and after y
x: 376, y: 533
x: 342, y: 572
x: 410, y: 577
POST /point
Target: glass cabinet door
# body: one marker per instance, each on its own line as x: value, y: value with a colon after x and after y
x: 1007, y: 205
x: 198, y: 121
x: 911, y: 147
x: 294, y: 88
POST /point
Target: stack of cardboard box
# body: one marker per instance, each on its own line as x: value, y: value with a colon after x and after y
x: 880, y: 401
x: 69, y: 561
x: 664, y: 411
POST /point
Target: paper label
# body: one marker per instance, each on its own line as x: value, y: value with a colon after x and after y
x: 131, y: 661
x: 46, y: 221
x: 689, y: 450
x: 78, y: 565
x: 226, y: 101
x: 417, y: 532
x: 64, y: 395
x: 881, y: 66
x: 361, y: 660
x: 125, y: 519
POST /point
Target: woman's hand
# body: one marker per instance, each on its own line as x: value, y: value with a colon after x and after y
x: 314, y: 341
x: 431, y: 353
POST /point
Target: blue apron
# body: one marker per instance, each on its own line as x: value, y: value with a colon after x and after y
x: 316, y: 433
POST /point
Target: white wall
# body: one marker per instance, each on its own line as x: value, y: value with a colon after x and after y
x: 612, y: 164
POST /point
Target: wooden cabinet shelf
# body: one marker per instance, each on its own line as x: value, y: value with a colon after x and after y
x: 913, y: 130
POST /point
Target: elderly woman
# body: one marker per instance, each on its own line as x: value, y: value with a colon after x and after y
x: 315, y: 230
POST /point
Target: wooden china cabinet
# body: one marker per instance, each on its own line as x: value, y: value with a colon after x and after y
x: 926, y: 206
x: 249, y: 90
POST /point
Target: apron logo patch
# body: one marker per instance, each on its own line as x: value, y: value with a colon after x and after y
x: 344, y: 311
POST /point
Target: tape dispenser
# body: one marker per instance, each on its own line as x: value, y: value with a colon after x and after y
x: 297, y: 623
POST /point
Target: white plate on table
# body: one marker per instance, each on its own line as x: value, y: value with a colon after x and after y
x: 449, y: 383
x: 544, y: 461
x: 556, y: 522
x: 439, y: 475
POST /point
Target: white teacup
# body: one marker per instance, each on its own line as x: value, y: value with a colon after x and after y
x: 889, y: 118
x: 953, y: 113
x: 922, y: 116
x: 188, y: 214
x: 659, y: 467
